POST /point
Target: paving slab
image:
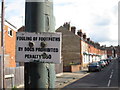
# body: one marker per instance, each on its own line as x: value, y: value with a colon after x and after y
x: 68, y: 77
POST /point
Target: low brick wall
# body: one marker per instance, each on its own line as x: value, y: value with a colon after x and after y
x: 75, y: 68
x: 71, y: 68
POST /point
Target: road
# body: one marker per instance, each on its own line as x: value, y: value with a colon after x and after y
x: 108, y: 77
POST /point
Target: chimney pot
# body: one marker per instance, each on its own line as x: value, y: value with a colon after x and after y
x: 67, y: 25
x: 73, y: 29
x: 84, y: 36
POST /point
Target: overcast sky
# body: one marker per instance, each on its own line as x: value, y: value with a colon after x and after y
x: 97, y: 18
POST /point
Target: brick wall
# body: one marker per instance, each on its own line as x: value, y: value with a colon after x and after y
x: 10, y: 46
x: 70, y: 46
x: 0, y: 43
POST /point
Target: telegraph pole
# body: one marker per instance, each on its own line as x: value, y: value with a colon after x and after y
x: 2, y: 45
x: 39, y: 18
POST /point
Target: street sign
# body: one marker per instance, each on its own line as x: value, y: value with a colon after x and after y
x: 42, y: 47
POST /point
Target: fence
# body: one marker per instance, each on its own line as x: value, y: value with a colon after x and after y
x: 14, y: 76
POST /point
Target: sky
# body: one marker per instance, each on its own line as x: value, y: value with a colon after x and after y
x: 97, y: 18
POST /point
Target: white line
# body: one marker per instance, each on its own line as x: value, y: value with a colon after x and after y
x: 111, y: 76
x: 109, y: 83
x: 111, y: 73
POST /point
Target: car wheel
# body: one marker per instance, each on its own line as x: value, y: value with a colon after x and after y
x: 99, y: 70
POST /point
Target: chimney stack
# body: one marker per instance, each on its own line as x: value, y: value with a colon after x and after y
x: 84, y: 36
x: 73, y: 29
x: 97, y: 44
x: 88, y: 39
x: 67, y: 25
x: 80, y: 33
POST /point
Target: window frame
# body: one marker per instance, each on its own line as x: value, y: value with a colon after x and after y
x: 10, y: 32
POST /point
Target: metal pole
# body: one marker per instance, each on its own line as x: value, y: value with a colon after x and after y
x: 39, y: 18
x: 2, y: 44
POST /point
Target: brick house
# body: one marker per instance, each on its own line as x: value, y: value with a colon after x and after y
x: 9, y: 44
x: 110, y: 51
x: 78, y: 49
x: 90, y: 51
x: 113, y: 51
x: 70, y: 48
x: 117, y: 51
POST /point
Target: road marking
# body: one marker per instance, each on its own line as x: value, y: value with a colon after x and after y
x: 110, y: 76
x: 111, y: 73
x: 109, y: 83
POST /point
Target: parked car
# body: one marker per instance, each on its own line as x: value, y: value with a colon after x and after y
x: 102, y: 63
x: 118, y: 58
x: 107, y: 61
x: 110, y: 59
x: 95, y: 66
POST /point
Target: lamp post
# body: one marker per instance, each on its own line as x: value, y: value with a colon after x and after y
x: 2, y: 44
x: 39, y: 18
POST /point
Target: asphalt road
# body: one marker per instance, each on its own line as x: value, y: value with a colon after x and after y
x: 108, y: 77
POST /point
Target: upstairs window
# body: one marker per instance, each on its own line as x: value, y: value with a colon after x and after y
x: 10, y: 32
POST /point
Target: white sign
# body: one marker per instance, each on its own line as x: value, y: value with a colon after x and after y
x: 43, y: 47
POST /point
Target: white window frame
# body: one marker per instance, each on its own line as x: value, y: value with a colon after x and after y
x: 9, y: 32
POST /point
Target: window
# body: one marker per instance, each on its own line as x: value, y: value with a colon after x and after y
x: 10, y: 32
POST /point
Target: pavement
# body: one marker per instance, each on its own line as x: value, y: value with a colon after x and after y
x: 67, y: 78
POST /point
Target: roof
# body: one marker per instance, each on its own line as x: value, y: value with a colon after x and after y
x: 10, y: 24
x: 21, y: 29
